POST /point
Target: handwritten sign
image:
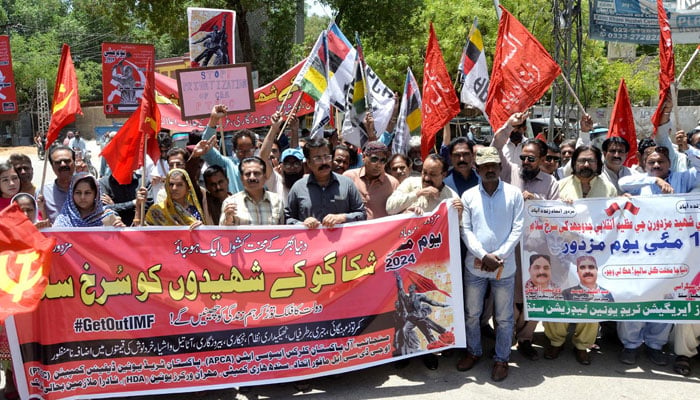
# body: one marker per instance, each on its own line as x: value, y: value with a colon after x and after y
x: 202, y: 88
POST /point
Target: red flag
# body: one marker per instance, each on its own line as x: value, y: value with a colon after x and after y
x: 522, y: 71
x: 209, y: 25
x: 66, y: 100
x: 667, y: 72
x: 124, y: 153
x: 440, y: 102
x: 422, y: 283
x: 25, y: 262
x: 622, y: 123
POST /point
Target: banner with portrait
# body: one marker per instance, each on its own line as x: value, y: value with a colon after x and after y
x: 156, y: 310
x: 211, y: 36
x: 613, y: 259
x: 124, y: 70
x: 8, y: 92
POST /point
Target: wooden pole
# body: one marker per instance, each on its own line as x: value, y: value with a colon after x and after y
x: 142, y: 207
x: 571, y: 90
x: 295, y: 108
x: 223, y: 139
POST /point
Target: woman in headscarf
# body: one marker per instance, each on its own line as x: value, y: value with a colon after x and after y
x: 9, y: 183
x: 180, y: 207
x: 83, y: 207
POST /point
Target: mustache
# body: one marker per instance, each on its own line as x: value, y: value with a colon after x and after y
x: 324, y: 166
x: 462, y: 163
x: 542, y: 276
x: 64, y: 168
x: 249, y: 181
x: 588, y: 275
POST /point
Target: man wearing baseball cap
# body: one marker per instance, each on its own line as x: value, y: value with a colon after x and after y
x: 492, y: 224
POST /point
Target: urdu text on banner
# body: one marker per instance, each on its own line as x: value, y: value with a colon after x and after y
x: 153, y: 311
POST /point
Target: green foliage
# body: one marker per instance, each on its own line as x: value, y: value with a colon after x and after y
x: 394, y: 35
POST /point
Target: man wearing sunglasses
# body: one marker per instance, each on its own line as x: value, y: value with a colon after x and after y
x: 375, y: 186
x: 534, y: 184
x: 552, y: 160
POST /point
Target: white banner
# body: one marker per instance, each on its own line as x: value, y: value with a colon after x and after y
x: 613, y: 259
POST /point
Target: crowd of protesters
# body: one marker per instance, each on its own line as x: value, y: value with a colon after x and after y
x: 291, y: 178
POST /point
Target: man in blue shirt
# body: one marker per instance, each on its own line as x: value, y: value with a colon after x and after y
x: 492, y: 224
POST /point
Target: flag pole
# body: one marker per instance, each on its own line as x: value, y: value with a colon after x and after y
x: 142, y: 206
x: 286, y: 97
x: 223, y: 139
x: 695, y: 54
x: 571, y: 90
x: 295, y: 108
x: 674, y: 100
x: 43, y: 175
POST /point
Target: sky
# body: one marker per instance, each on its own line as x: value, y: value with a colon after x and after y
x: 317, y: 8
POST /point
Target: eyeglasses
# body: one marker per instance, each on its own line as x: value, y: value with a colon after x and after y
x: 375, y: 159
x: 528, y: 158
x: 583, y: 161
x: 552, y: 158
x: 321, y: 159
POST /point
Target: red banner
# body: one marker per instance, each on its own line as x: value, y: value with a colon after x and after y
x: 522, y: 71
x: 440, y: 103
x: 25, y: 258
x: 125, y: 67
x: 237, y: 307
x: 268, y: 99
x: 8, y: 93
x: 622, y: 123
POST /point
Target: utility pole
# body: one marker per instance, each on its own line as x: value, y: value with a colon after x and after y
x: 568, y: 41
x: 42, y: 99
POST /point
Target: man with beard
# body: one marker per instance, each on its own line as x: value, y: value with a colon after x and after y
x: 375, y: 186
x: 253, y: 205
x: 216, y: 183
x: 492, y: 224
x: 534, y: 185
x: 525, y: 174
x: 461, y: 176
x: 62, y: 159
x: 291, y: 159
x: 585, y: 182
x: 424, y: 193
x: 323, y: 197
x: 515, y: 131
x: 23, y: 166
x: 158, y: 169
x: 615, y: 150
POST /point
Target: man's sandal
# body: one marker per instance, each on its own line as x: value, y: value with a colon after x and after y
x: 682, y: 365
